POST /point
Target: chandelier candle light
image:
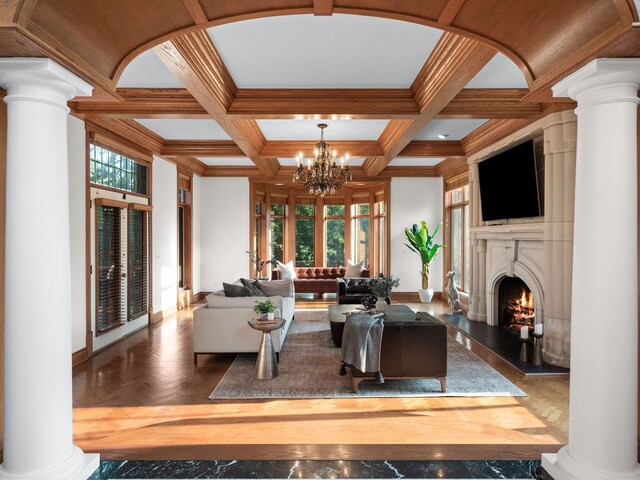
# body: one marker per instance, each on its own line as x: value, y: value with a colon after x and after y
x: 323, y: 176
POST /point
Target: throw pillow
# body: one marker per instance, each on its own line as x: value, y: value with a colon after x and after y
x: 231, y: 290
x: 287, y: 271
x: 278, y: 288
x: 253, y: 286
x: 354, y: 269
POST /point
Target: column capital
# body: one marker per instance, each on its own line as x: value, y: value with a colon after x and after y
x: 20, y: 75
x: 602, y: 79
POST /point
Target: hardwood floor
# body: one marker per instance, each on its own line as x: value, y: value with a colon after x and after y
x: 144, y: 399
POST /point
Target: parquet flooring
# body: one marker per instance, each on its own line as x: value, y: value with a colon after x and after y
x: 144, y: 399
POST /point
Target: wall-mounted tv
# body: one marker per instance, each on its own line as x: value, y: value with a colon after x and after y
x: 511, y: 183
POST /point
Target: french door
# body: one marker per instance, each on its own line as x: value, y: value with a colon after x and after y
x: 120, y: 268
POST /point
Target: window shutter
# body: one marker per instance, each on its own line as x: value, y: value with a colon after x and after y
x: 110, y: 281
x: 138, y: 255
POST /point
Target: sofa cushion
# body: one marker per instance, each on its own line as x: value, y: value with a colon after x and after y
x: 253, y: 286
x: 231, y: 290
x: 286, y: 271
x: 288, y: 307
x: 354, y: 269
x: 282, y: 288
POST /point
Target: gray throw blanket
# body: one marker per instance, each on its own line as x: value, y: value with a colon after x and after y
x: 361, y: 342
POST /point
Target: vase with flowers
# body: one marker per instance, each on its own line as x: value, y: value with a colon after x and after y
x: 382, y: 286
x: 258, y: 263
x: 265, y: 309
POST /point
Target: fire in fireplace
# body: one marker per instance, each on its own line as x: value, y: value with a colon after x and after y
x: 516, y: 307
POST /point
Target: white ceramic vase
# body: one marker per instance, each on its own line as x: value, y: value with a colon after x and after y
x: 426, y: 295
x: 381, y: 305
x: 270, y: 316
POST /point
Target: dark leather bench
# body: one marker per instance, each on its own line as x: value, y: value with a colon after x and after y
x: 413, y: 346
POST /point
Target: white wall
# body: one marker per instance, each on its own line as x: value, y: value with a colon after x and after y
x: 224, y: 231
x: 165, y: 234
x: 77, y: 144
x: 196, y: 207
x: 413, y: 200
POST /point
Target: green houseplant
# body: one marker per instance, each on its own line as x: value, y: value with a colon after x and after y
x: 422, y: 243
x: 265, y: 309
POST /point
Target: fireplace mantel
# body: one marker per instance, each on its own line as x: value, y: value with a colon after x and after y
x: 537, y: 250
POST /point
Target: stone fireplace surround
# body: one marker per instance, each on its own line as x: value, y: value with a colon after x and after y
x: 537, y: 250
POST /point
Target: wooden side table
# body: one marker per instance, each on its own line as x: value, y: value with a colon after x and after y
x: 266, y: 365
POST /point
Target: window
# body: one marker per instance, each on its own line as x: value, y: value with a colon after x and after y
x: 276, y: 231
x: 305, y: 235
x: 110, y: 169
x: 457, y: 201
x: 334, y: 235
x: 380, y: 224
x: 361, y: 240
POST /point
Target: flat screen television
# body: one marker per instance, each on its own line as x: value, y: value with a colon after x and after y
x: 509, y: 184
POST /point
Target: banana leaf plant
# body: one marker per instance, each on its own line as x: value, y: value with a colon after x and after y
x: 422, y: 243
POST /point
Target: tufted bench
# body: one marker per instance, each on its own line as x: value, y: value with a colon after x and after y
x: 316, y: 279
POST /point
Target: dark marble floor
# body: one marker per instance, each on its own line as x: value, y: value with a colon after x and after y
x: 391, y: 469
x: 502, y: 344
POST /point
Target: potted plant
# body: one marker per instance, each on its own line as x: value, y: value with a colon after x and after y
x: 422, y: 243
x: 266, y: 309
x: 259, y: 264
x: 381, y: 287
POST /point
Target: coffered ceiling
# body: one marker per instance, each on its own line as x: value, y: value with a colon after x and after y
x: 237, y: 88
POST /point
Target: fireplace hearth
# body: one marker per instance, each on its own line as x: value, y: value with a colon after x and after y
x: 516, y: 307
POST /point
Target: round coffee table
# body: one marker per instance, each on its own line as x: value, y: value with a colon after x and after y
x: 266, y: 365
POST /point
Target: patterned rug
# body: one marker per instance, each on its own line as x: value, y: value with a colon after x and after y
x: 309, y: 366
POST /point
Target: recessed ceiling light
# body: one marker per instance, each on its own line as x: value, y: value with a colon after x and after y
x: 442, y: 136
x: 360, y: 184
x: 280, y: 184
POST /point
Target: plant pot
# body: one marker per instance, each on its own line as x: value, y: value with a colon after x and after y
x: 270, y: 316
x: 426, y: 295
x: 381, y: 305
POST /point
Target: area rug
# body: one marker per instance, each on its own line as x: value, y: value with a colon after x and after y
x: 309, y: 366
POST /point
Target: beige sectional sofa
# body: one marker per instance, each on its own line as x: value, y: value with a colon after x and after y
x: 221, y: 326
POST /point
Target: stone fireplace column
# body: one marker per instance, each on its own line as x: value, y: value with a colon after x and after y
x: 477, y: 302
x: 604, y: 333
x: 38, y: 436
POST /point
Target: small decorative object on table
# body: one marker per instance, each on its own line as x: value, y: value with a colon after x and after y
x: 369, y: 302
x: 452, y: 295
x: 524, y: 339
x: 258, y: 263
x: 266, y: 309
x: 537, y: 345
x: 381, y: 287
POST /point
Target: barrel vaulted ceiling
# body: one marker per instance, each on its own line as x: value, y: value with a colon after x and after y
x: 236, y: 88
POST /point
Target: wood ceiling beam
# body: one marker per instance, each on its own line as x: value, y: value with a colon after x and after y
x: 452, y: 167
x: 202, y: 148
x: 291, y: 148
x: 491, y: 103
x: 433, y: 148
x: 322, y: 7
x: 450, y: 11
x: 315, y: 104
x: 195, y: 10
x: 490, y: 133
x: 323, y: 103
x: 285, y: 174
x: 129, y: 132
x: 454, y: 61
x: 194, y: 60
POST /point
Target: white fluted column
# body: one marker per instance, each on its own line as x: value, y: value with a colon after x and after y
x: 603, y: 405
x: 38, y: 437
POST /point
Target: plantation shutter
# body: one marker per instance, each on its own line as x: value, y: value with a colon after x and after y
x: 111, y: 285
x: 138, y: 256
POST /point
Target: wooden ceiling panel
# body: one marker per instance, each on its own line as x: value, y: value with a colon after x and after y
x: 254, y: 9
x: 104, y: 33
x: 427, y: 10
x: 543, y: 34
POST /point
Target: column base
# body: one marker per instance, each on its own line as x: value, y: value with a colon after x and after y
x: 561, y: 466
x: 79, y: 466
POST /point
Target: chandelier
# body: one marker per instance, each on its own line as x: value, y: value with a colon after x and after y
x: 323, y: 176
